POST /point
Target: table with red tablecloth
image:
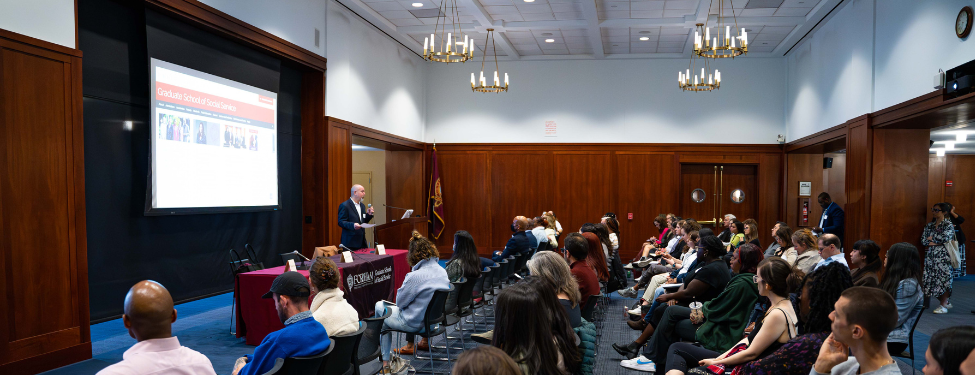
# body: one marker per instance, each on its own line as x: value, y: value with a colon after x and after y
x: 365, y: 281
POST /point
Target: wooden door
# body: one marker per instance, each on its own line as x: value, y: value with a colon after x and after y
x: 707, y: 192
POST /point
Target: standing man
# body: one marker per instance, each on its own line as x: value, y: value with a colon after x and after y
x: 832, y: 220
x: 352, y: 214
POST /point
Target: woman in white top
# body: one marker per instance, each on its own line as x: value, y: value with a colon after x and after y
x: 539, y: 230
x: 609, y: 220
x: 786, y: 250
x: 329, y: 306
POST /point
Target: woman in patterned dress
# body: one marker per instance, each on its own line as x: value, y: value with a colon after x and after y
x: 937, y: 264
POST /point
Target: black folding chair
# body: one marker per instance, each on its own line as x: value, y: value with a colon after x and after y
x: 434, y: 316
x: 368, y: 349
x: 910, y: 341
x: 300, y: 365
x: 340, y: 361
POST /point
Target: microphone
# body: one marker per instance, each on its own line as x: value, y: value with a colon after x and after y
x: 301, y: 255
x: 398, y: 208
x: 343, y: 246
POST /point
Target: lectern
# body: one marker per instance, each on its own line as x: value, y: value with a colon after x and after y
x: 396, y: 234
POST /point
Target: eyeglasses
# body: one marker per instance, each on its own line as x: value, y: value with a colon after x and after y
x: 935, y: 210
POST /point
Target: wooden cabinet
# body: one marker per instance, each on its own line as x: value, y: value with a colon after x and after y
x: 43, y: 259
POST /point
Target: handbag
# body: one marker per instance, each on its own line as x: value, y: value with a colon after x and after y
x: 399, y: 366
x: 953, y: 254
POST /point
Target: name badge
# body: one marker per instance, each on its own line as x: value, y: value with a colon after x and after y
x: 363, y: 216
x: 825, y: 217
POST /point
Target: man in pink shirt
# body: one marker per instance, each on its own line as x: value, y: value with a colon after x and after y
x: 149, y: 315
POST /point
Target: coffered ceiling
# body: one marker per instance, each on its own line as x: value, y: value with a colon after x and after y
x: 598, y: 29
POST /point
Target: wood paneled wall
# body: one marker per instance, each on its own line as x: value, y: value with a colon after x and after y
x: 957, y: 169
x: 900, y: 165
x: 404, y: 183
x: 859, y: 172
x: 43, y: 253
x: 804, y: 167
x: 486, y: 185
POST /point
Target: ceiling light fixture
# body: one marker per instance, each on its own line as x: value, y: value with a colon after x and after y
x: 644, y: 38
x: 961, y: 137
x: 949, y: 145
x: 718, y: 47
x: 417, y: 5
x: 707, y: 81
x: 448, y: 28
x: 939, y: 151
x: 549, y: 40
x: 529, y: 1
x: 480, y: 85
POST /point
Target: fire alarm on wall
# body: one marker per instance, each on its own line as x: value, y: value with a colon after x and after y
x: 629, y: 216
x: 948, y: 183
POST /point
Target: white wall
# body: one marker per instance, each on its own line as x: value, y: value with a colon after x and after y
x: 870, y: 55
x: 830, y: 76
x: 914, y: 40
x: 48, y: 20
x: 372, y: 80
x: 291, y: 20
x: 608, y: 101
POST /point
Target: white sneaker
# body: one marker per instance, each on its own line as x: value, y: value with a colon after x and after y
x: 637, y: 311
x: 948, y: 306
x: 941, y: 310
x: 640, y: 363
x: 628, y: 266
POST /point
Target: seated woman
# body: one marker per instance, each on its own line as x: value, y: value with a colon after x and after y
x: 701, y: 284
x: 902, y: 280
x: 329, y: 307
x: 808, y: 250
x: 658, y: 275
x: 817, y: 298
x: 595, y: 258
x: 725, y: 315
x: 538, y: 230
x: 613, y: 225
x: 425, y: 277
x: 948, y: 349
x: 463, y: 263
x: 786, y: 250
x: 737, y: 235
x: 751, y: 232
x: 775, y: 280
x: 551, y: 267
x: 866, y: 263
x: 533, y: 329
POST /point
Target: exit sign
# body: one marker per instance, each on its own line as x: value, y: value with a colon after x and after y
x: 948, y: 183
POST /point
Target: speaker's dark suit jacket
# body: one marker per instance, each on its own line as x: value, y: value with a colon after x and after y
x: 348, y: 217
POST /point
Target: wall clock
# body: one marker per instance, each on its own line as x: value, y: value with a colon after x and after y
x: 963, y: 23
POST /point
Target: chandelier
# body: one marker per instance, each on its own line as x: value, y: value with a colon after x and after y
x: 706, y: 81
x: 480, y: 85
x: 450, y: 48
x: 721, y: 47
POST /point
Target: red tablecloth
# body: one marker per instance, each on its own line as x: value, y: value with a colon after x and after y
x: 256, y: 317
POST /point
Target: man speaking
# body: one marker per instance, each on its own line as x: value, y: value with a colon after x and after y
x: 352, y: 214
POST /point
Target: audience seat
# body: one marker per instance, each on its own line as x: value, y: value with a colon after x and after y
x: 910, y: 341
x: 300, y: 365
x: 339, y: 362
x: 435, y: 315
x: 368, y: 349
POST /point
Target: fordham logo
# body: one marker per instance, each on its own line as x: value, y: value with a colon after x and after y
x: 359, y: 280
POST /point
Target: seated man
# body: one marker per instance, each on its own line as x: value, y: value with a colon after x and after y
x: 863, y: 318
x: 149, y: 315
x: 578, y: 251
x: 518, y: 243
x: 830, y: 250
x: 302, y: 335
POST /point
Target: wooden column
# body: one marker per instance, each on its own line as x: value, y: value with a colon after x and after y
x: 898, y: 198
x: 859, y: 168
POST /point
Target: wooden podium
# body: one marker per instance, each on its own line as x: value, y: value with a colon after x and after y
x: 396, y: 234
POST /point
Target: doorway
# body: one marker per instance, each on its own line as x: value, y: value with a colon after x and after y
x: 709, y: 191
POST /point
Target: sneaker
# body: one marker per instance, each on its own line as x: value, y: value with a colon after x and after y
x: 638, y: 311
x: 640, y: 363
x: 941, y: 310
x: 948, y: 306
x: 627, y: 292
x: 483, y: 338
x: 644, y: 262
x: 628, y: 266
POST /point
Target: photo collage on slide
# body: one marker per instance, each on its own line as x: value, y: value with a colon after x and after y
x: 182, y: 129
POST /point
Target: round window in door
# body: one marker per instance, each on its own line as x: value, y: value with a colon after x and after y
x: 698, y: 195
x: 737, y: 196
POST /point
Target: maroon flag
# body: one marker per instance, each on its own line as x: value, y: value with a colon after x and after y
x: 436, y: 200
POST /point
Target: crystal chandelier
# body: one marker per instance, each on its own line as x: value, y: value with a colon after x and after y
x: 450, y: 48
x: 706, y: 81
x: 480, y: 85
x: 721, y: 47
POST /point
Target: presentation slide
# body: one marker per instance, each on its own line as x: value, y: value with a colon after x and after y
x: 214, y: 142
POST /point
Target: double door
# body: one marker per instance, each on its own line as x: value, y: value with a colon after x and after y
x: 709, y: 191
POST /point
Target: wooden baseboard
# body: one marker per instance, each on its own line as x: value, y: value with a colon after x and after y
x: 48, y: 361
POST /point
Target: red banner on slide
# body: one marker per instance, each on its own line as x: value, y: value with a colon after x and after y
x: 191, y: 98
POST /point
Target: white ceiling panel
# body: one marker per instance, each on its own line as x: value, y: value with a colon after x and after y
x: 615, y: 27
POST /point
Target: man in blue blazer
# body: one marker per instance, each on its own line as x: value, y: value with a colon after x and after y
x: 352, y: 214
x: 518, y: 243
x: 832, y: 220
